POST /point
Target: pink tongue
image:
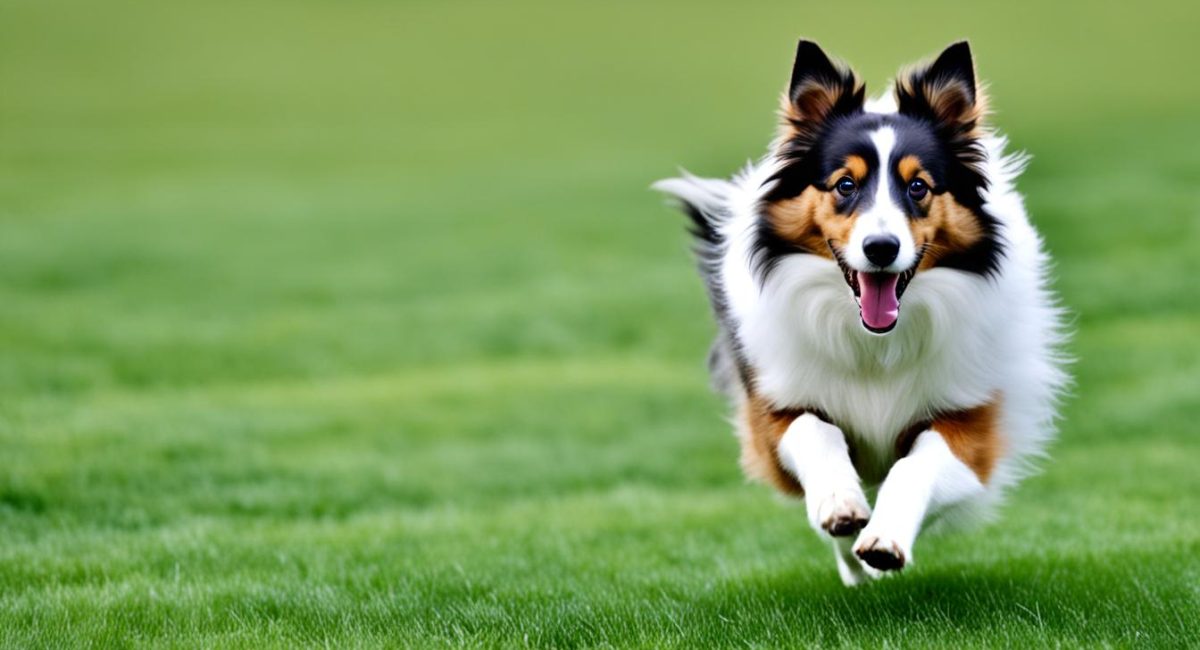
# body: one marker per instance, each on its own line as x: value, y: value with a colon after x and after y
x: 877, y: 295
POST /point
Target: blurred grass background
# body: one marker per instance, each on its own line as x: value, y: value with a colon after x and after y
x: 355, y: 323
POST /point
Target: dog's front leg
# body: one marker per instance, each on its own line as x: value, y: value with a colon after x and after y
x: 816, y: 453
x: 929, y: 478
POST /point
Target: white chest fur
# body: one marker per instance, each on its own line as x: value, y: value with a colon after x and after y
x: 800, y: 332
x: 961, y: 339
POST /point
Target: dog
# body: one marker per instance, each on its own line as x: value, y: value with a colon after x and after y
x: 885, y: 321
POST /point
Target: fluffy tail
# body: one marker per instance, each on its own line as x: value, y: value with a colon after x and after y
x: 705, y: 201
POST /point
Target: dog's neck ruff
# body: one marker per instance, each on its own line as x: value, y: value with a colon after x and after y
x: 799, y: 332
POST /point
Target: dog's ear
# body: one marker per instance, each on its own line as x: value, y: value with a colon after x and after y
x: 944, y: 92
x: 819, y: 90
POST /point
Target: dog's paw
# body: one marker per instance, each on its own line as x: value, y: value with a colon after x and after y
x: 841, y: 513
x: 852, y: 572
x: 880, y: 553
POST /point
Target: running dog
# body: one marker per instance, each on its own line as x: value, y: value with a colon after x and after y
x: 885, y: 325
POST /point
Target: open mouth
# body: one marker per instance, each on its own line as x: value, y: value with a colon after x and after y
x: 878, y: 294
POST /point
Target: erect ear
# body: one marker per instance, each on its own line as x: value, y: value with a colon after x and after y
x: 943, y: 92
x: 819, y: 89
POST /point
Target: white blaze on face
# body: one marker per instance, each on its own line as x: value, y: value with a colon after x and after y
x: 884, y: 217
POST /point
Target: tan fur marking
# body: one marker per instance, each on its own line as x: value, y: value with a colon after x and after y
x: 908, y: 167
x: 808, y: 106
x: 857, y: 167
x: 973, y: 436
x: 949, y: 227
x: 763, y: 426
x: 810, y: 220
x: 950, y: 101
x: 812, y: 102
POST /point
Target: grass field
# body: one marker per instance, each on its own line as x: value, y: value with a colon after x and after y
x: 355, y: 324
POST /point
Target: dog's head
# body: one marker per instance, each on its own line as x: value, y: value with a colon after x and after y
x: 884, y: 195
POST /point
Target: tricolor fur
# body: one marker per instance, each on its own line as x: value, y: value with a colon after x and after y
x: 884, y: 317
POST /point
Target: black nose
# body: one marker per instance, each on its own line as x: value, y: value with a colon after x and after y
x: 881, y: 249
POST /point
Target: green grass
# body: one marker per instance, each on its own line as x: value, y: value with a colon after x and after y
x: 354, y: 323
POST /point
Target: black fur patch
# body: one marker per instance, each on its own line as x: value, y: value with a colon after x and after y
x: 955, y: 167
x: 725, y: 358
x: 955, y: 140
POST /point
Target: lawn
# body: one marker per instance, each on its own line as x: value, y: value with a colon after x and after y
x: 355, y: 324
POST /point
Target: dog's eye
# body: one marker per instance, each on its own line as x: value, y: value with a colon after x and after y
x: 846, y: 186
x: 917, y: 189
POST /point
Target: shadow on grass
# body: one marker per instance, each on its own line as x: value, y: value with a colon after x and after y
x: 1089, y: 600
x: 1121, y: 600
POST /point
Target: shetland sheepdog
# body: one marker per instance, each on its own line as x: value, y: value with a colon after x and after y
x: 885, y: 324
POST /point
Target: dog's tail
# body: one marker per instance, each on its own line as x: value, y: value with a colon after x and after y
x: 705, y: 201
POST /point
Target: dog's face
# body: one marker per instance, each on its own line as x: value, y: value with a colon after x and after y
x: 885, y: 196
